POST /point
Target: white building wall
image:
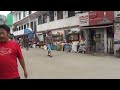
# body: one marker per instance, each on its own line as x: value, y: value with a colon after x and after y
x: 16, y: 15
x: 18, y: 32
x: 33, y: 11
x: 66, y: 22
x: 14, y: 18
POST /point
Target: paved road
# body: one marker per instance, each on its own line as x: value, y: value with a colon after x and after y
x: 64, y: 65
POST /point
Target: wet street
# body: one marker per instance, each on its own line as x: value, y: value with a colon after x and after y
x: 65, y: 65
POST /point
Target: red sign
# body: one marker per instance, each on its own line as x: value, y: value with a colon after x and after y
x: 100, y: 17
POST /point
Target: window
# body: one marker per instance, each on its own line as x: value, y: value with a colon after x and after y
x: 29, y: 12
x: 45, y: 18
x: 59, y: 15
x: 40, y: 20
x: 32, y: 25
x: 22, y: 26
x: 19, y: 28
x: 25, y: 26
x: 23, y: 13
x: 51, y: 15
x: 71, y: 13
x: 35, y: 26
x: 19, y: 16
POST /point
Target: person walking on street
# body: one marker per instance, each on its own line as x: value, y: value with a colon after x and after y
x: 21, y: 42
x: 10, y: 51
x: 27, y: 43
x: 49, y: 42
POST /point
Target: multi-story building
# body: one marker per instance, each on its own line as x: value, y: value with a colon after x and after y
x: 59, y: 22
x: 24, y: 20
x: 95, y: 26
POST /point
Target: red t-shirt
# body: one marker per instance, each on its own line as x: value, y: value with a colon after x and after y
x: 9, y: 52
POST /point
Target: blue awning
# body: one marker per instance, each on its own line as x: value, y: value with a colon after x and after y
x: 29, y: 33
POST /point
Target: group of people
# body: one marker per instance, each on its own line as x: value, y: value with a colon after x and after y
x: 81, y: 47
x: 26, y: 42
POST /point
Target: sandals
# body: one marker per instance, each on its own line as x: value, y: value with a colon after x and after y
x: 49, y: 55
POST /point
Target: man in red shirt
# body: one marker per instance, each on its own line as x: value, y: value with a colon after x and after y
x: 10, y: 51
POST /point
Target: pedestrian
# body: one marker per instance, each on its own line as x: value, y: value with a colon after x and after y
x: 49, y: 42
x: 20, y: 42
x: 10, y: 51
x: 27, y: 43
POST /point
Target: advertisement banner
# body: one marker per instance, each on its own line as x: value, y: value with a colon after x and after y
x: 100, y: 17
x: 84, y: 19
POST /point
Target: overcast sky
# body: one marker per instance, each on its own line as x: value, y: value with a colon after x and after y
x: 4, y: 12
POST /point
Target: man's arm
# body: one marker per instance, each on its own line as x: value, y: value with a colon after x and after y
x: 22, y: 63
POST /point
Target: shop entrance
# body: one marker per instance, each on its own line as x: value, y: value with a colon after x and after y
x: 96, y: 40
x: 91, y: 40
x: 110, y: 40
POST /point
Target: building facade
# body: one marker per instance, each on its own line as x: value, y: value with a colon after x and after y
x: 116, y: 31
x: 96, y: 27
x: 100, y: 32
x: 59, y: 22
x: 23, y: 20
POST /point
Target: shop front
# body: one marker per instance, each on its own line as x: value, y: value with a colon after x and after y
x: 100, y: 32
x: 74, y: 38
x: 58, y: 39
x: 117, y: 32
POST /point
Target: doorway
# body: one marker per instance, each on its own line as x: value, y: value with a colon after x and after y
x: 110, y: 40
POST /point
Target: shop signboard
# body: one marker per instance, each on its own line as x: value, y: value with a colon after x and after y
x: 84, y: 19
x: 101, y: 17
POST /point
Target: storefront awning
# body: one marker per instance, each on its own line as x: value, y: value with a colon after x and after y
x: 101, y: 26
x: 26, y: 31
